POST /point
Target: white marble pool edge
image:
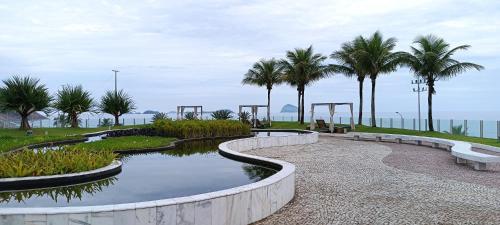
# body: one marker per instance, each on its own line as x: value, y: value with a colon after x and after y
x: 240, y: 205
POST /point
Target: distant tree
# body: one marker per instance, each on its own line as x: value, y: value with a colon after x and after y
x: 376, y: 57
x: 116, y: 104
x: 301, y: 68
x: 265, y: 73
x: 73, y: 101
x: 350, y: 66
x: 222, y: 114
x: 24, y: 95
x: 432, y: 60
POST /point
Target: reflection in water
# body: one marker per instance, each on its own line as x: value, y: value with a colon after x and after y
x: 257, y: 173
x: 192, y: 168
x: 58, y: 194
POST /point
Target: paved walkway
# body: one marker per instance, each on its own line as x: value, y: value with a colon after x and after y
x: 347, y: 182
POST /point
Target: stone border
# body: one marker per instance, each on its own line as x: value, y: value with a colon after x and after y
x: 240, y: 205
x: 461, y: 150
x: 9, y: 184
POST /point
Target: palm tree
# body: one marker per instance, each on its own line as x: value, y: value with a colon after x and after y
x: 376, y: 57
x: 24, y: 95
x: 432, y: 60
x: 301, y: 68
x: 265, y: 73
x: 350, y: 66
x: 73, y: 100
x: 116, y: 104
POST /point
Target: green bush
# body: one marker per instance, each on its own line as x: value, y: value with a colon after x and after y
x: 222, y: 114
x: 200, y: 128
x: 42, y: 163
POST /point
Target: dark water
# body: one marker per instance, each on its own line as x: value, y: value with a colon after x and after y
x: 193, y: 168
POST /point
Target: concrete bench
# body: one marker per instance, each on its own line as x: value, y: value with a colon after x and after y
x: 459, y: 149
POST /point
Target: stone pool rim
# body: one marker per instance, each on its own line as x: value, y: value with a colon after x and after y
x: 282, y: 182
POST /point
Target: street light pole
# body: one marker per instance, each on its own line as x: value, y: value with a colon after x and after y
x: 116, y: 83
x: 419, y: 90
x: 402, y: 120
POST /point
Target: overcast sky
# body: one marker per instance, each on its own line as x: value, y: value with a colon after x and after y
x: 196, y: 52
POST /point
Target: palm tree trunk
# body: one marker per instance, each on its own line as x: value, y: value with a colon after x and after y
x: 74, y: 121
x: 298, y: 104
x: 360, y: 116
x: 269, y: 106
x: 25, y: 124
x: 374, y: 122
x: 117, y: 120
x: 429, y: 101
x: 302, y: 107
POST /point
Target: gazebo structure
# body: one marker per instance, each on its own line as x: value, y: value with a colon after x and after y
x: 331, y: 108
x: 180, y: 111
x: 254, y: 111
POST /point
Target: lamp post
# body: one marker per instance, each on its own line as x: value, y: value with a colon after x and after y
x: 116, y: 84
x: 419, y: 89
x: 402, y: 120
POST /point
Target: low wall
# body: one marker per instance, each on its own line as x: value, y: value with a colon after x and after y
x: 239, y: 205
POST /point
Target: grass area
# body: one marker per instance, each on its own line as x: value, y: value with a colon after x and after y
x: 486, y: 141
x: 15, y: 138
x: 126, y: 143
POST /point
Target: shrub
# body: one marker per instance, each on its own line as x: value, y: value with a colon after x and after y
x: 190, y: 116
x: 200, y: 128
x: 222, y: 114
x: 159, y: 116
x: 244, y: 117
x: 42, y: 163
x: 106, y: 122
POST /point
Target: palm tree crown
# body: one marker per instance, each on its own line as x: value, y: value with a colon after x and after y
x: 74, y: 101
x: 116, y: 104
x: 24, y: 95
x: 265, y: 73
x: 301, y: 68
x: 432, y: 60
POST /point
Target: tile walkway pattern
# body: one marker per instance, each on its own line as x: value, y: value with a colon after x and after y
x: 347, y: 182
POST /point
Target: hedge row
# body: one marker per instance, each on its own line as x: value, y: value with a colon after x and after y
x: 200, y: 128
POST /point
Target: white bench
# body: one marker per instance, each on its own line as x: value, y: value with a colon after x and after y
x: 459, y: 149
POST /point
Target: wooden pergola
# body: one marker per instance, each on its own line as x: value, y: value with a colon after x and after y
x: 331, y: 108
x: 181, y: 108
x: 254, y: 111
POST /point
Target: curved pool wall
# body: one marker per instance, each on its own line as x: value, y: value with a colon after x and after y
x: 239, y: 205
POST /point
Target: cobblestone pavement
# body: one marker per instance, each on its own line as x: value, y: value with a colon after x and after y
x: 346, y: 182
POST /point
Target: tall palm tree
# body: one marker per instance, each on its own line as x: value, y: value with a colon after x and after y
x: 24, y: 95
x: 73, y: 100
x: 376, y: 57
x: 301, y: 68
x: 432, y: 60
x: 116, y: 104
x: 265, y: 73
x: 350, y: 66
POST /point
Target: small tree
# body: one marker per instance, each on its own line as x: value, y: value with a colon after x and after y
x: 159, y: 116
x: 73, y: 100
x: 116, y: 104
x: 24, y: 95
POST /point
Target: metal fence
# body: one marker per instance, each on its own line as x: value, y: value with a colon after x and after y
x: 474, y: 128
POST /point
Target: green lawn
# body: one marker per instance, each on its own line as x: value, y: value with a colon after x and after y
x: 127, y: 143
x: 486, y: 141
x: 15, y: 138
